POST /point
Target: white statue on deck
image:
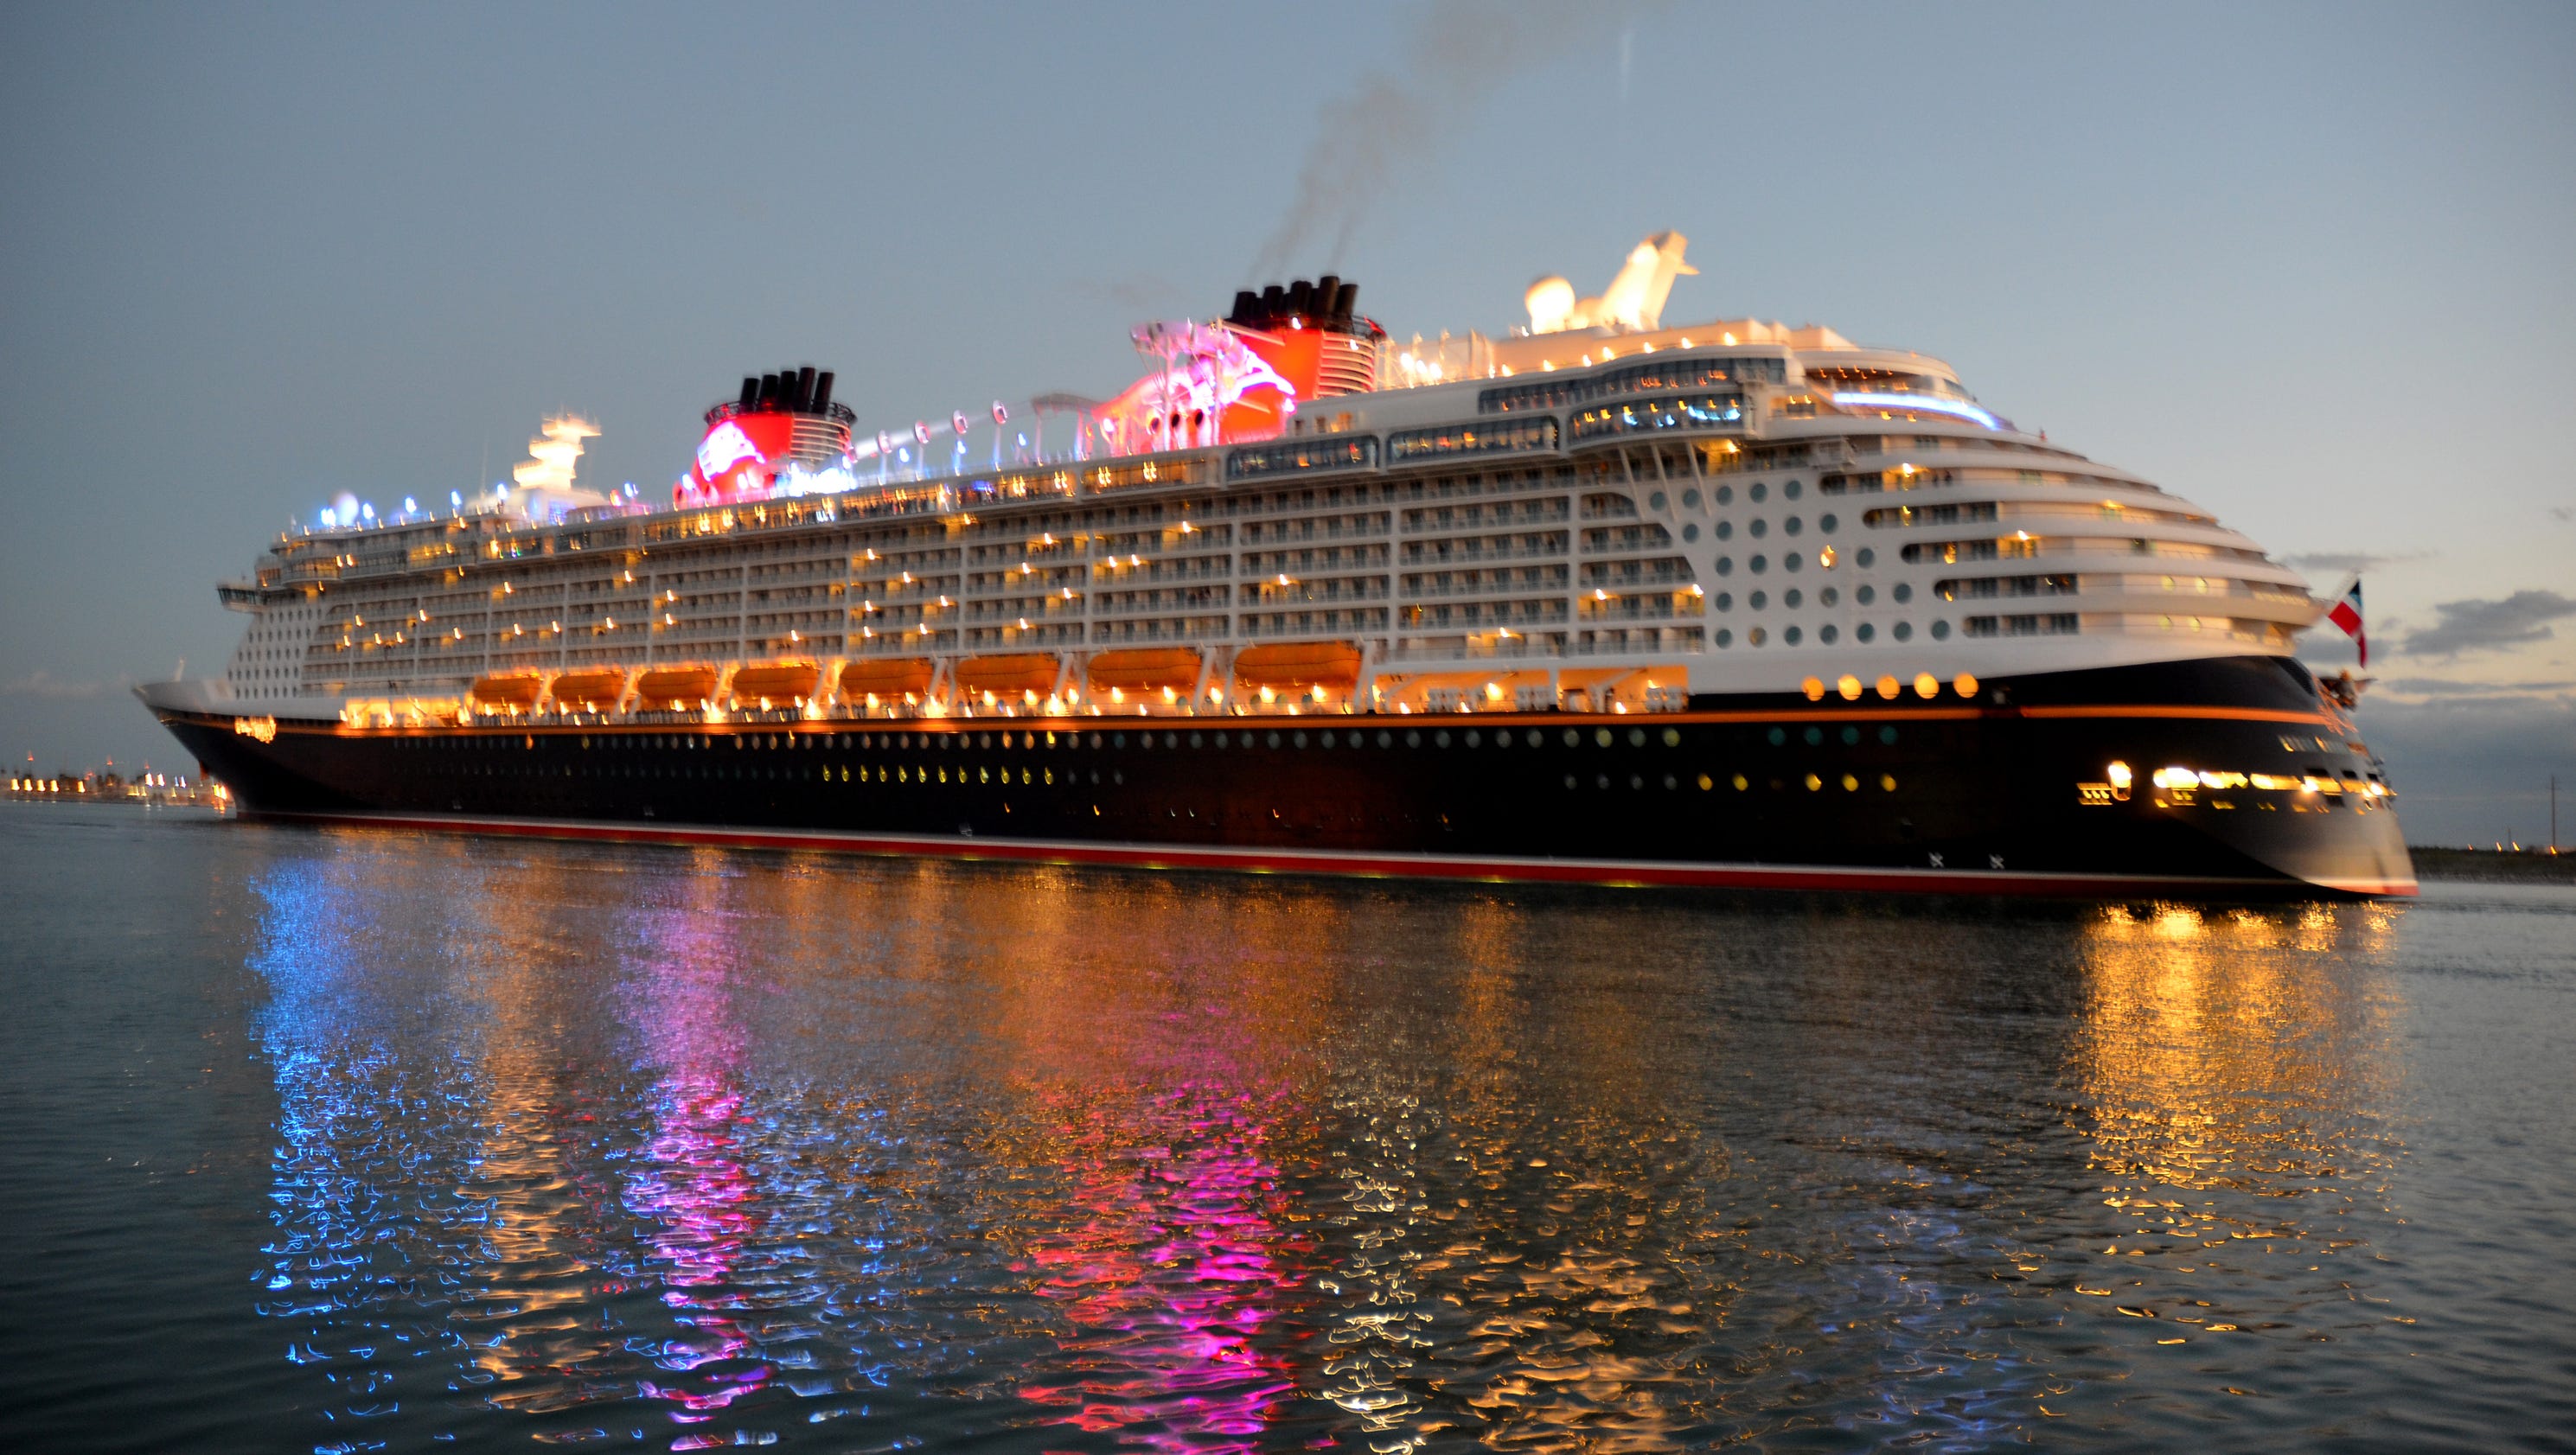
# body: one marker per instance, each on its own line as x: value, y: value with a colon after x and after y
x: 1634, y: 301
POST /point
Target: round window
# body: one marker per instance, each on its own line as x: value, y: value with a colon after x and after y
x: 1793, y: 525
x: 1904, y: 591
x: 1690, y: 499
x: 1759, y: 492
x: 1790, y: 636
x: 1904, y: 631
x: 1864, y: 632
x: 1941, y: 630
x: 1726, y: 495
x: 1760, y: 564
x: 1793, y: 562
x: 1725, y: 638
x: 1726, y: 530
x: 1792, y: 490
x: 1655, y: 501
x: 1691, y: 532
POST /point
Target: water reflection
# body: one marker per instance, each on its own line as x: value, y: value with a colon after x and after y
x: 700, y: 1149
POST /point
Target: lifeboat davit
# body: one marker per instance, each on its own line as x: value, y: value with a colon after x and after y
x: 675, y: 689
x: 1145, y: 669
x: 774, y: 683
x: 507, y: 692
x: 886, y: 677
x: 1299, y: 664
x: 592, y: 689
x: 1008, y: 676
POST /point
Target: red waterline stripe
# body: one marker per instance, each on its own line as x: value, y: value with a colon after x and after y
x: 1354, y: 864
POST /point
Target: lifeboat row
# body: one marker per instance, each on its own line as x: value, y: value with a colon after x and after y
x: 1172, y: 673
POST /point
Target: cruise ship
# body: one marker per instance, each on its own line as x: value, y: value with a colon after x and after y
x: 1592, y: 598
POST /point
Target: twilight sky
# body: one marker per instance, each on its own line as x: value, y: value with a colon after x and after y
x: 2307, y: 266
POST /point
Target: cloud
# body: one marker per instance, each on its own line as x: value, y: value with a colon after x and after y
x: 2350, y: 560
x: 1454, y: 57
x: 44, y: 684
x: 2477, y: 626
x: 2453, y: 688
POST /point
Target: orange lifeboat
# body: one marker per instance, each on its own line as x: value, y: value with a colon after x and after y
x: 889, y: 677
x: 1146, y: 669
x: 1007, y: 676
x: 675, y: 689
x: 781, y: 683
x: 1299, y: 664
x: 592, y: 689
x: 508, y: 692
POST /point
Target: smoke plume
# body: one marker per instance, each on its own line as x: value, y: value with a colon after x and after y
x: 1453, y: 59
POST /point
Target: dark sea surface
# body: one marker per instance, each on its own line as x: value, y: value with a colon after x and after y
x: 351, y: 1140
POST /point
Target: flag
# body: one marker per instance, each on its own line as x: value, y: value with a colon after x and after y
x: 2347, y: 614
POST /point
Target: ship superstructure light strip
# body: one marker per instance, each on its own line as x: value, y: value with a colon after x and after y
x: 1917, y: 401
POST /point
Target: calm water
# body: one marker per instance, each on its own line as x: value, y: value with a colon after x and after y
x: 351, y: 1140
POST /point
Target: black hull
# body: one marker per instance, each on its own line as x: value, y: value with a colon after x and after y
x: 1986, y: 795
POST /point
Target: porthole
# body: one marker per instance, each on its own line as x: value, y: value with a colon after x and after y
x: 1790, y: 635
x: 1863, y: 632
x: 1792, y: 598
x: 1758, y: 600
x: 1725, y: 495
x: 1903, y: 631
x: 1851, y: 737
x: 1503, y: 738
x: 1170, y: 740
x: 1413, y: 740
x: 1793, y: 562
x: 1636, y: 737
x: 1572, y: 737
x: 1725, y: 638
x: 1887, y: 735
x: 1726, y: 565
x: 1829, y: 597
x: 1601, y: 737
x: 1690, y: 499
x: 1726, y: 601
x: 1655, y: 501
x: 1119, y: 740
x: 1328, y: 737
x: 1815, y: 737
x: 1569, y: 782
x: 986, y: 741
x: 1672, y: 737
x: 1475, y: 739
x: 1636, y: 781
x: 1793, y: 525
x: 1814, y: 782
x: 1739, y: 783
x: 1386, y: 739
x: 1865, y: 557
x: 1759, y: 528
x: 1941, y: 630
x: 1865, y: 595
x: 1850, y: 783
x: 1297, y: 740
x: 1827, y: 633
x: 1826, y: 522
x: 1758, y: 493
x: 1247, y: 739
x: 1690, y: 532
x: 1792, y: 489
x: 1726, y: 530
x: 1756, y: 637
x: 1760, y: 564
x: 1887, y: 782
x: 1199, y: 740
x: 1272, y: 740
x: 1904, y: 592
x: 1706, y: 783
x: 1440, y: 739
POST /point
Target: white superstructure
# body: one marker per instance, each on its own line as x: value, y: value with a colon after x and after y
x: 1620, y: 515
